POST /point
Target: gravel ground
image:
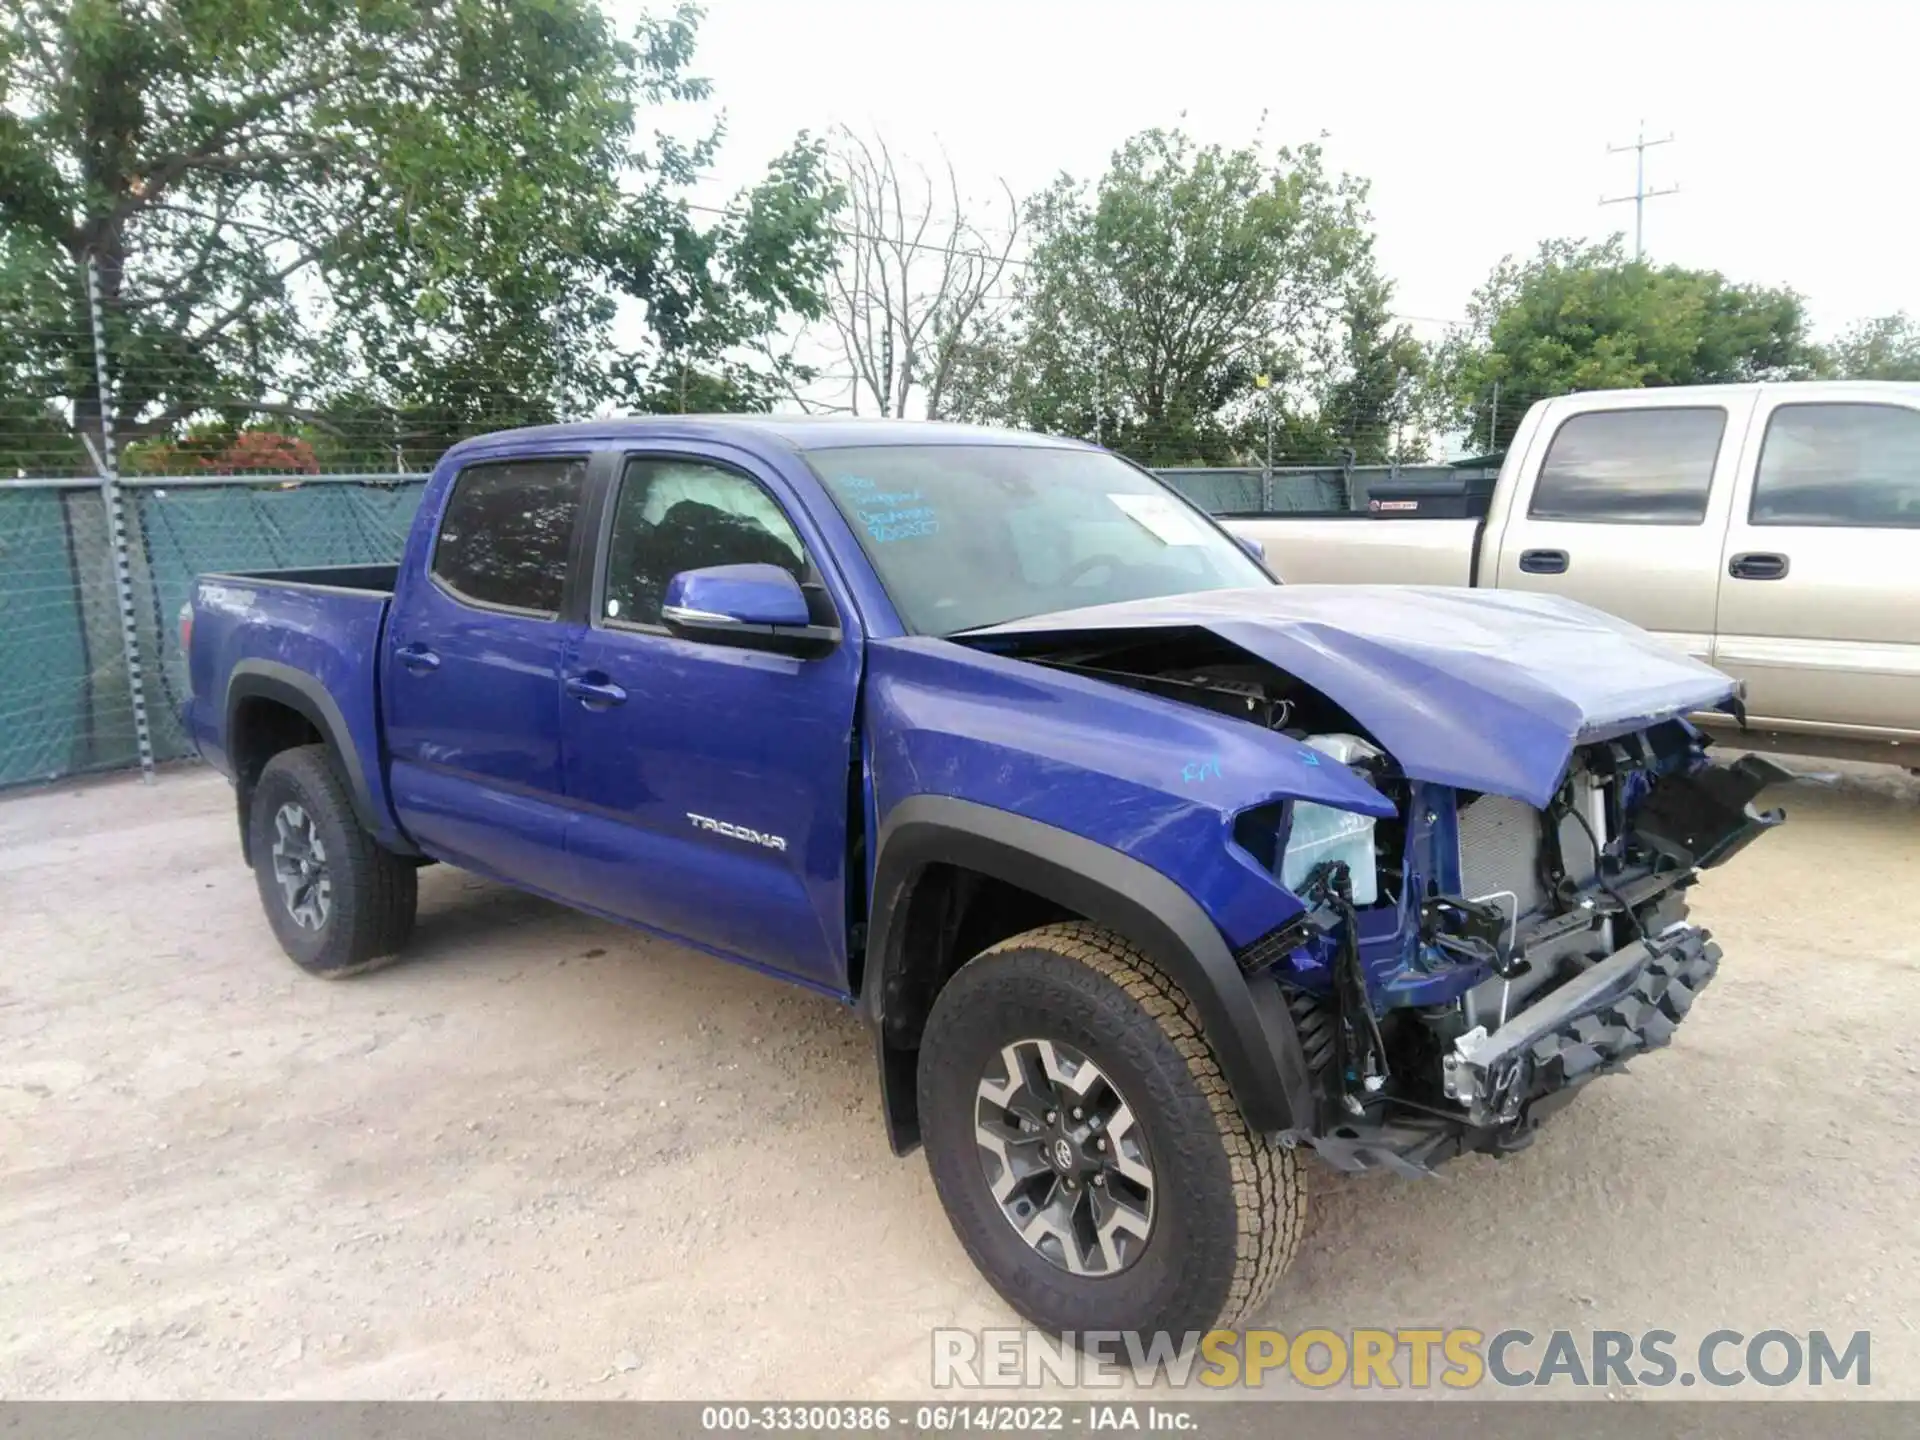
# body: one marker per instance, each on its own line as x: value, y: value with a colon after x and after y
x: 548, y: 1157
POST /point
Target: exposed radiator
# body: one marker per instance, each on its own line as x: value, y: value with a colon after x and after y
x: 1500, y: 854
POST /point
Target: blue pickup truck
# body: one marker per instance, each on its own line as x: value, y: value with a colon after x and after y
x: 1148, y: 872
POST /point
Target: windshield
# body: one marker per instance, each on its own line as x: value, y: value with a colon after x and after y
x: 969, y: 535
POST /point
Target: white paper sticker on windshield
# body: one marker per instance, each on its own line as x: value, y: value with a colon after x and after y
x: 1163, y: 517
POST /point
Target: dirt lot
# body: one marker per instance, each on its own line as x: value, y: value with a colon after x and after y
x: 547, y: 1157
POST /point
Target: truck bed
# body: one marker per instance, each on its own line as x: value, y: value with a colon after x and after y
x: 305, y: 639
x: 379, y: 579
x: 1365, y: 550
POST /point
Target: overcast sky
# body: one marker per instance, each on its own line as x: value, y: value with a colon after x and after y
x: 1483, y: 127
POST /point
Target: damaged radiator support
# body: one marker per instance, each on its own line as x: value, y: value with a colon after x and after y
x: 1627, y: 1003
x: 1510, y: 1081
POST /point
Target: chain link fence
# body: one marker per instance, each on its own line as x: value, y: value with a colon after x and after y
x: 69, y: 701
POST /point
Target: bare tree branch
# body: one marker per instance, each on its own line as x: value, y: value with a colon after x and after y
x: 915, y: 278
x: 782, y: 367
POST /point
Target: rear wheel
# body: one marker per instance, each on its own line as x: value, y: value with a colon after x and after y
x: 338, y: 903
x: 1086, y: 1146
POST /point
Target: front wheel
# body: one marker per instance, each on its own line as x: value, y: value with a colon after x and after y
x: 1086, y: 1146
x: 339, y: 904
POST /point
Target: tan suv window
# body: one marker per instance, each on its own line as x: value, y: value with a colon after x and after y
x: 1631, y: 467
x: 1842, y: 464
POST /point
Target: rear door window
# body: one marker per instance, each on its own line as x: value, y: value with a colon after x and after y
x: 1849, y: 465
x: 506, y: 537
x: 1631, y: 467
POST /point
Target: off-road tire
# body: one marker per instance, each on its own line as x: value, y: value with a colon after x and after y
x: 373, y: 890
x: 1230, y: 1205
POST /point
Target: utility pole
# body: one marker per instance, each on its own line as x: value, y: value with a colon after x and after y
x: 1640, y: 194
x: 113, y: 502
x: 1264, y: 382
x: 1099, y: 393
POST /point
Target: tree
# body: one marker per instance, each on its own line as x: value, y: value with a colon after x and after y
x: 1887, y: 348
x: 915, y: 276
x: 1156, y: 296
x: 391, y: 221
x: 1370, y: 408
x: 1583, y: 317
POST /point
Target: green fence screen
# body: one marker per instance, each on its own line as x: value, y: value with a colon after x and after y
x: 65, y: 706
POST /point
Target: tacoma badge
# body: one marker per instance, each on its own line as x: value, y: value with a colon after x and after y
x: 737, y: 832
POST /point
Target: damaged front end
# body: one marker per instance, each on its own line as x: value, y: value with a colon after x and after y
x: 1517, y: 926
x: 1509, y: 954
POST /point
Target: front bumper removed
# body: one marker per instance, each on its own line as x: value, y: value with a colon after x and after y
x: 1508, y: 1081
x: 1621, y: 1006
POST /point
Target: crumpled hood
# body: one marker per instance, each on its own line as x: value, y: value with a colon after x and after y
x: 1481, y: 689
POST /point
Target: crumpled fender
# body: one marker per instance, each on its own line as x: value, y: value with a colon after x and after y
x: 1149, y: 777
x: 1113, y: 803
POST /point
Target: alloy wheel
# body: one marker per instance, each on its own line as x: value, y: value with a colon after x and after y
x: 300, y: 866
x: 1064, y: 1157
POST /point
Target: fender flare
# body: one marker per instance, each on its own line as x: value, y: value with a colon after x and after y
x: 301, y: 692
x: 1249, y: 1027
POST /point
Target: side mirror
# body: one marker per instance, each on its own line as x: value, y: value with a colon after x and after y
x: 759, y: 607
x: 1252, y: 546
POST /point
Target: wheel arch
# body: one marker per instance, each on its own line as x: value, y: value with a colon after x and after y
x: 916, y: 940
x: 272, y: 707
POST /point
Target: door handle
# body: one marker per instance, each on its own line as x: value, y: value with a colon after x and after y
x: 594, y: 690
x: 419, y: 659
x: 1544, y: 562
x: 1758, y: 565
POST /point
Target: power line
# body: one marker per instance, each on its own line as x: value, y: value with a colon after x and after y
x: 1640, y: 194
